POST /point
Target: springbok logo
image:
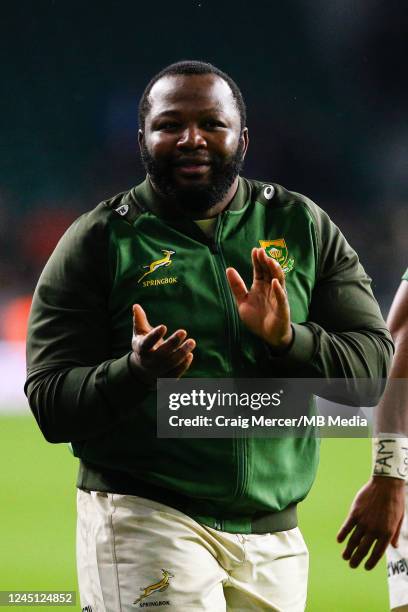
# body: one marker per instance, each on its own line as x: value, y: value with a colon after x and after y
x: 157, y: 587
x: 158, y: 263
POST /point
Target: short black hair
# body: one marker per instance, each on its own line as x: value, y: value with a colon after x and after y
x: 191, y: 67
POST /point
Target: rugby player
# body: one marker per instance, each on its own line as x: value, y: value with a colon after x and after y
x: 376, y: 520
x: 225, y: 276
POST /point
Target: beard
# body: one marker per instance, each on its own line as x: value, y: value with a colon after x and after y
x: 194, y: 198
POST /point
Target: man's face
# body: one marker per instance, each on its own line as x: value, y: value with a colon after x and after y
x: 192, y: 146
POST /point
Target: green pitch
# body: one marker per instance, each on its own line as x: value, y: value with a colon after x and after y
x: 37, y: 520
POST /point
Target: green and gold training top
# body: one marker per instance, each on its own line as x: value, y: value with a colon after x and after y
x: 80, y: 386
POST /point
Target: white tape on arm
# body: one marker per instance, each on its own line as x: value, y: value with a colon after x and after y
x: 390, y: 456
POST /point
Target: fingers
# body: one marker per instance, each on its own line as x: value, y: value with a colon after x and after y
x: 149, y: 341
x: 236, y: 284
x: 273, y: 266
x: 362, y: 549
x: 266, y: 268
x: 140, y: 323
x: 359, y: 547
x: 149, y: 336
x: 376, y: 554
x: 280, y: 294
x: 152, y: 355
x: 360, y: 543
x: 172, y: 343
x: 258, y: 270
x: 353, y: 542
x: 175, y: 357
x: 170, y: 353
x: 182, y: 368
x: 346, y: 528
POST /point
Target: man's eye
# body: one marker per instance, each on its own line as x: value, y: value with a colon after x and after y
x: 168, y: 125
x: 212, y: 123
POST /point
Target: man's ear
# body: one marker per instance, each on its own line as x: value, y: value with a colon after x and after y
x: 140, y: 138
x: 245, y: 140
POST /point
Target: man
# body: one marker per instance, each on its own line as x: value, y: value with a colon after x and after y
x: 193, y: 524
x: 377, y: 513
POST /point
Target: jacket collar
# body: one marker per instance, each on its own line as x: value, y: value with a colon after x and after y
x: 145, y: 195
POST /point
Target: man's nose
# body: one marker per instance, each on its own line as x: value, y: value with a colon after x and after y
x: 192, y: 138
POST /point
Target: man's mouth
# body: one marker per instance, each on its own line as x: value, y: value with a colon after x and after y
x: 191, y: 170
x: 192, y: 167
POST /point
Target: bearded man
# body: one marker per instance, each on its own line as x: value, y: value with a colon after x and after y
x: 193, y: 524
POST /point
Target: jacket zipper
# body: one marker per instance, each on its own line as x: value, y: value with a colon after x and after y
x: 232, y: 314
x: 240, y: 443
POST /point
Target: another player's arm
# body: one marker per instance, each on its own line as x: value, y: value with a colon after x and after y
x: 377, y: 511
x: 392, y: 414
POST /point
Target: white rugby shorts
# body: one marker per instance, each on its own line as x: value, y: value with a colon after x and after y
x: 133, y: 553
x: 397, y: 565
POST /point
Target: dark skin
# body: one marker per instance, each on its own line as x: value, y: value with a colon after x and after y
x: 187, y: 121
x: 375, y: 517
x: 191, y: 119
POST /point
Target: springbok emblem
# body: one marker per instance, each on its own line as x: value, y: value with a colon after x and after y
x: 164, y: 261
x: 162, y: 585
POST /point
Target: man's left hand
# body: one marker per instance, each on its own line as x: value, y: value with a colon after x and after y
x: 375, y: 518
x: 264, y: 309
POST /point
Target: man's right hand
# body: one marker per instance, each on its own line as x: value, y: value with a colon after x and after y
x: 152, y: 356
x: 375, y: 518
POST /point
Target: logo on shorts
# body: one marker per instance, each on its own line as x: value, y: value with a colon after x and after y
x: 156, y: 264
x: 278, y: 250
x: 87, y: 609
x: 397, y: 567
x: 156, y: 587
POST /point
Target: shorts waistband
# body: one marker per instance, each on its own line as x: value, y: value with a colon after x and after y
x: 201, y: 511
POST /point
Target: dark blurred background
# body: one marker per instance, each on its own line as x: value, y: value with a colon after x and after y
x: 324, y: 85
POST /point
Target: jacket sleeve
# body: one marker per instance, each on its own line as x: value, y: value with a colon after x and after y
x: 75, y: 389
x: 345, y: 335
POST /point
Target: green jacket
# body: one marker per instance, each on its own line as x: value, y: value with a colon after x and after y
x: 80, y: 386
